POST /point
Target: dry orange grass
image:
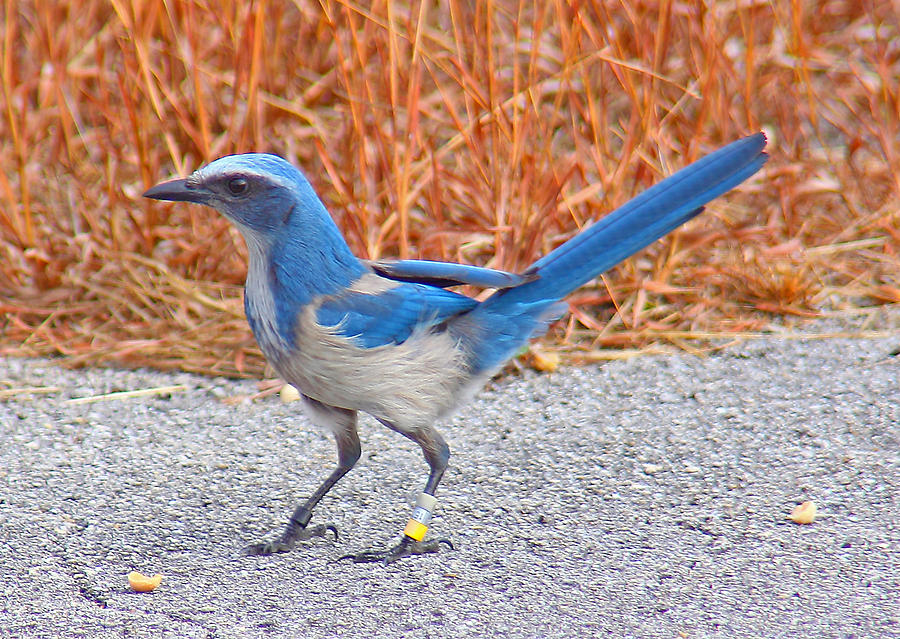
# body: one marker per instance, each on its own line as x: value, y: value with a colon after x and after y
x: 480, y: 131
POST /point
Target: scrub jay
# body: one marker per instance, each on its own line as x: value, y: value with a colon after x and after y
x: 388, y: 337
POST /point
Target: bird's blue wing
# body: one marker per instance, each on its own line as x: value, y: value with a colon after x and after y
x: 443, y: 274
x: 390, y: 316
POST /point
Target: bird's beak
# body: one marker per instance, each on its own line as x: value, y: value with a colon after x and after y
x: 178, y: 191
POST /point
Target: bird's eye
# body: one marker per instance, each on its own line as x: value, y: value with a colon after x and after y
x: 238, y: 186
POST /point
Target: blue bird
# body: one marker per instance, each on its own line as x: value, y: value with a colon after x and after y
x: 388, y: 337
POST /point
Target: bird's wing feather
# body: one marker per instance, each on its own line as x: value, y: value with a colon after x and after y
x: 443, y: 274
x: 390, y: 316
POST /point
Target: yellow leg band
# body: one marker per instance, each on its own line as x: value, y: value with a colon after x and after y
x: 415, y: 529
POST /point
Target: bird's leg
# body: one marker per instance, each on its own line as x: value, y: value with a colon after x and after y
x: 343, y: 424
x: 437, y: 454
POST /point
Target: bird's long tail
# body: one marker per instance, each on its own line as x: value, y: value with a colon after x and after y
x: 524, y: 309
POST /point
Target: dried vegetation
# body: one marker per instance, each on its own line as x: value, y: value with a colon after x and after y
x: 486, y: 132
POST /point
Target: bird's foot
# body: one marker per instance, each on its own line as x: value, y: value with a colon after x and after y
x: 288, y: 540
x: 406, y: 548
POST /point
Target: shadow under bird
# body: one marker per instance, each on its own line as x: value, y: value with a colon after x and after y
x: 387, y: 337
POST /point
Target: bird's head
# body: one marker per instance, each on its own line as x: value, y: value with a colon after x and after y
x: 257, y: 191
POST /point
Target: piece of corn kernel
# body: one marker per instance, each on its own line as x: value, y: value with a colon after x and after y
x: 143, y: 583
x: 804, y: 513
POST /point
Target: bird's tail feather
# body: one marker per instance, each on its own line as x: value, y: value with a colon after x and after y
x: 643, y: 220
x: 628, y: 229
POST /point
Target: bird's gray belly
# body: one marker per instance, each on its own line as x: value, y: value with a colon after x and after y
x: 410, y: 385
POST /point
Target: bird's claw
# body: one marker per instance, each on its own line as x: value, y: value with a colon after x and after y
x: 406, y: 548
x: 288, y: 541
x: 333, y: 529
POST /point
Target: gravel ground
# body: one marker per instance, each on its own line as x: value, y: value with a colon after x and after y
x: 645, y: 497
